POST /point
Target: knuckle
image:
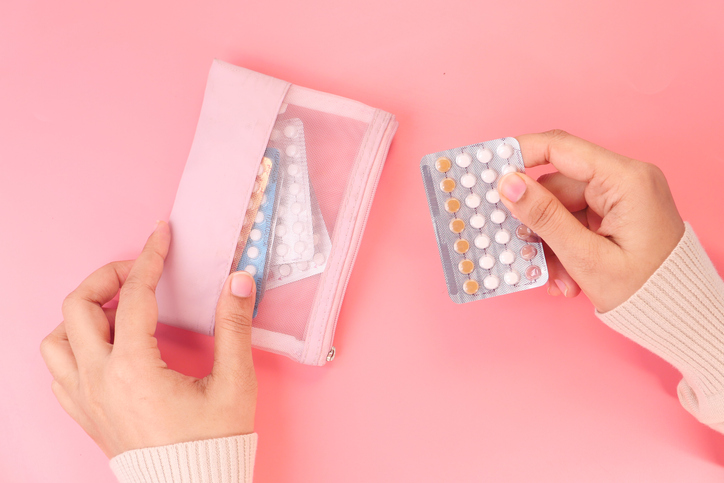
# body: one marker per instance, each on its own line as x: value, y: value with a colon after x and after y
x: 556, y: 134
x: 135, y: 286
x: 47, y: 345
x: 70, y: 302
x: 543, y: 215
x: 237, y: 323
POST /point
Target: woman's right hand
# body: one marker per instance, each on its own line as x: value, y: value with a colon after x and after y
x: 609, y: 221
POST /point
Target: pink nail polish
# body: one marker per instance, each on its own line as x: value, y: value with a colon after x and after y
x: 512, y: 187
x: 241, y: 284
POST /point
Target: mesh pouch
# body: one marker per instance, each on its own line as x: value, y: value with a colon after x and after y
x: 244, y: 115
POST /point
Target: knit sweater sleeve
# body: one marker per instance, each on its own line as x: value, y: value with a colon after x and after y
x: 220, y: 460
x: 679, y: 315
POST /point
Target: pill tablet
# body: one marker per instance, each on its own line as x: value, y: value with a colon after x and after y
x: 491, y: 282
x: 260, y: 171
x: 532, y: 273
x: 477, y: 221
x: 298, y: 227
x: 505, y: 150
x: 275, y: 134
x: 484, y: 155
x: 300, y: 246
x: 252, y: 252
x: 250, y: 269
x: 255, y: 234
x: 447, y: 185
x: 466, y: 266
x: 488, y: 175
x: 497, y: 216
x: 296, y: 208
x: 257, y: 186
x: 509, y: 168
x: 282, y: 250
x: 457, y: 225
x: 259, y: 217
x: 290, y: 131
x: 528, y: 252
x: 512, y: 277
x: 492, y: 196
x: 473, y: 200
x: 468, y: 180
x: 486, y: 261
x: 502, y: 236
x: 443, y: 165
x: 292, y: 151
x: 285, y: 270
x: 452, y: 205
x: 293, y: 170
x: 470, y: 286
x: 302, y: 266
x: 506, y: 257
x: 526, y: 234
x: 295, y: 188
x: 281, y: 230
x: 318, y: 258
x: 463, y: 160
x: 461, y: 246
x: 482, y: 241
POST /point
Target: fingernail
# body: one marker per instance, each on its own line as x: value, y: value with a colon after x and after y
x: 512, y: 187
x: 155, y: 227
x: 562, y: 287
x: 241, y: 284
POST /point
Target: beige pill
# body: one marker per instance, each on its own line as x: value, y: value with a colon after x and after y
x: 461, y: 246
x: 447, y: 185
x: 452, y: 205
x: 443, y: 165
x: 466, y: 266
x: 470, y: 287
x: 457, y: 225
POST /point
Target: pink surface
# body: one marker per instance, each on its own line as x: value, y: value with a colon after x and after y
x: 98, y: 106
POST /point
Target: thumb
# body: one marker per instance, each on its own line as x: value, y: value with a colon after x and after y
x: 574, y: 244
x: 232, y: 333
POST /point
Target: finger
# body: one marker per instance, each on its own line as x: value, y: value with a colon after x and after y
x: 137, y: 312
x: 559, y: 281
x: 85, y: 322
x: 576, y: 158
x: 232, y: 333
x: 569, y: 192
x: 535, y: 206
x: 59, y: 358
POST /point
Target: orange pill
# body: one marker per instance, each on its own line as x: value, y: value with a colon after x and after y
x: 470, y: 287
x: 466, y: 266
x: 443, y: 165
x: 447, y: 185
x: 452, y: 205
x: 461, y: 246
x: 457, y: 225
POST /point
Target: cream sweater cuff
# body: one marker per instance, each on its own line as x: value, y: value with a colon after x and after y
x: 220, y: 460
x: 679, y: 315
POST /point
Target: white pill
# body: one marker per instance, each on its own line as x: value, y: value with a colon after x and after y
x: 257, y: 186
x: 282, y: 249
x: 261, y: 170
x: 252, y: 252
x: 293, y: 170
x: 484, y: 155
x: 486, y: 261
x: 296, y: 208
x: 281, y: 230
x: 492, y: 196
x: 477, y: 221
x: 292, y: 151
x: 300, y: 246
x: 463, y: 160
x: 297, y: 227
x: 318, y: 258
x: 303, y: 266
x: 506, y: 257
x: 282, y: 210
x: 472, y: 200
x: 264, y: 199
x: 275, y: 134
x: 259, y: 217
x: 491, y: 282
x: 317, y: 238
x: 509, y: 168
x: 488, y: 175
x: 512, y: 277
x: 250, y: 269
x: 467, y: 180
x: 502, y: 236
x: 482, y: 241
x: 505, y: 150
x: 255, y: 234
x: 290, y: 131
x: 497, y: 216
x: 285, y: 270
x: 294, y: 189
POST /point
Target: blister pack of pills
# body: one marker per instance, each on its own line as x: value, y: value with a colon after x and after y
x: 484, y: 250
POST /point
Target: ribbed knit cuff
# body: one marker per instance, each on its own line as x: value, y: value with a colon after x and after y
x: 221, y: 460
x: 679, y: 315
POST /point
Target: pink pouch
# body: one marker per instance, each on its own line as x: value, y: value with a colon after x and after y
x: 346, y: 146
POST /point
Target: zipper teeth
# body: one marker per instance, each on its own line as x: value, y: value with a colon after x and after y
x: 332, y: 327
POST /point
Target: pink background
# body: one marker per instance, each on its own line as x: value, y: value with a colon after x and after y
x: 98, y: 106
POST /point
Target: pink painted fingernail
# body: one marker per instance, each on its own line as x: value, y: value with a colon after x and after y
x: 241, y: 284
x: 562, y: 287
x: 512, y: 187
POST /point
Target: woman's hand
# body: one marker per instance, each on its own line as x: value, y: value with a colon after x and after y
x: 108, y: 372
x: 610, y: 221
